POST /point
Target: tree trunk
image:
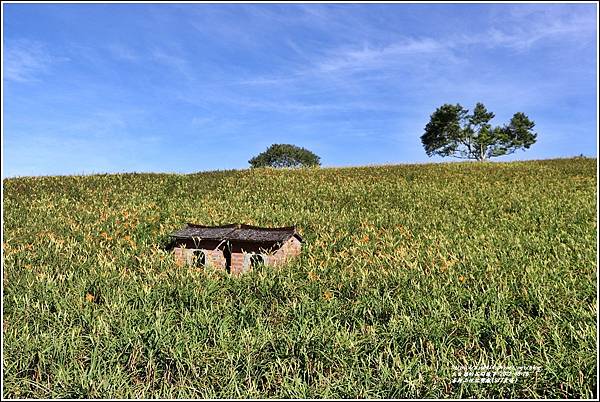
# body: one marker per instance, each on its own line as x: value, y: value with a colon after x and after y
x: 481, y: 154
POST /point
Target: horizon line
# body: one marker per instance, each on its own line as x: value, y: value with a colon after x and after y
x: 581, y: 156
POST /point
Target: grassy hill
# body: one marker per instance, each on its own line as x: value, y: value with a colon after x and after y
x: 406, y: 273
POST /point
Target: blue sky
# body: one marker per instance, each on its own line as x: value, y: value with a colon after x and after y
x: 91, y: 88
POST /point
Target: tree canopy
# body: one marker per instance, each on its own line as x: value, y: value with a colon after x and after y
x: 452, y: 131
x: 285, y: 155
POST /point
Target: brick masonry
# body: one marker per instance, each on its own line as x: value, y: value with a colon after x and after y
x: 240, y: 254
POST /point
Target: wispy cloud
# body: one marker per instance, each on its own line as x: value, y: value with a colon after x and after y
x: 176, y: 62
x: 516, y: 31
x: 369, y: 57
x: 123, y: 52
x: 332, y: 77
x: 528, y: 25
x: 27, y: 61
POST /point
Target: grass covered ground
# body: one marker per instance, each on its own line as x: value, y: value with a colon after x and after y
x: 406, y: 272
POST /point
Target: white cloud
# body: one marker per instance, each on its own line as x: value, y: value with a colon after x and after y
x: 26, y: 60
x: 516, y: 31
x: 123, y: 52
x: 529, y: 25
x: 175, y: 62
x: 377, y: 57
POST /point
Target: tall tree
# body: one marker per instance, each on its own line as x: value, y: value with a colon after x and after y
x: 452, y: 131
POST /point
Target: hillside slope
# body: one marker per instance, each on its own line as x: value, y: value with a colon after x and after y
x: 406, y: 272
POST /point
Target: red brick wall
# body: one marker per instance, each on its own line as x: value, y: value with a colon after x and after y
x: 179, y: 256
x: 237, y: 263
x: 291, y: 248
x: 184, y: 252
x: 216, y: 258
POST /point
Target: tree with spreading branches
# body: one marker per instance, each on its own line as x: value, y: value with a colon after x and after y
x: 285, y: 155
x: 452, y: 131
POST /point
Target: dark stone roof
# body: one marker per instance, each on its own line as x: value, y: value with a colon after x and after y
x: 237, y: 233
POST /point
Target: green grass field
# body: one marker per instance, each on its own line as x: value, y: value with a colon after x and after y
x: 406, y: 272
